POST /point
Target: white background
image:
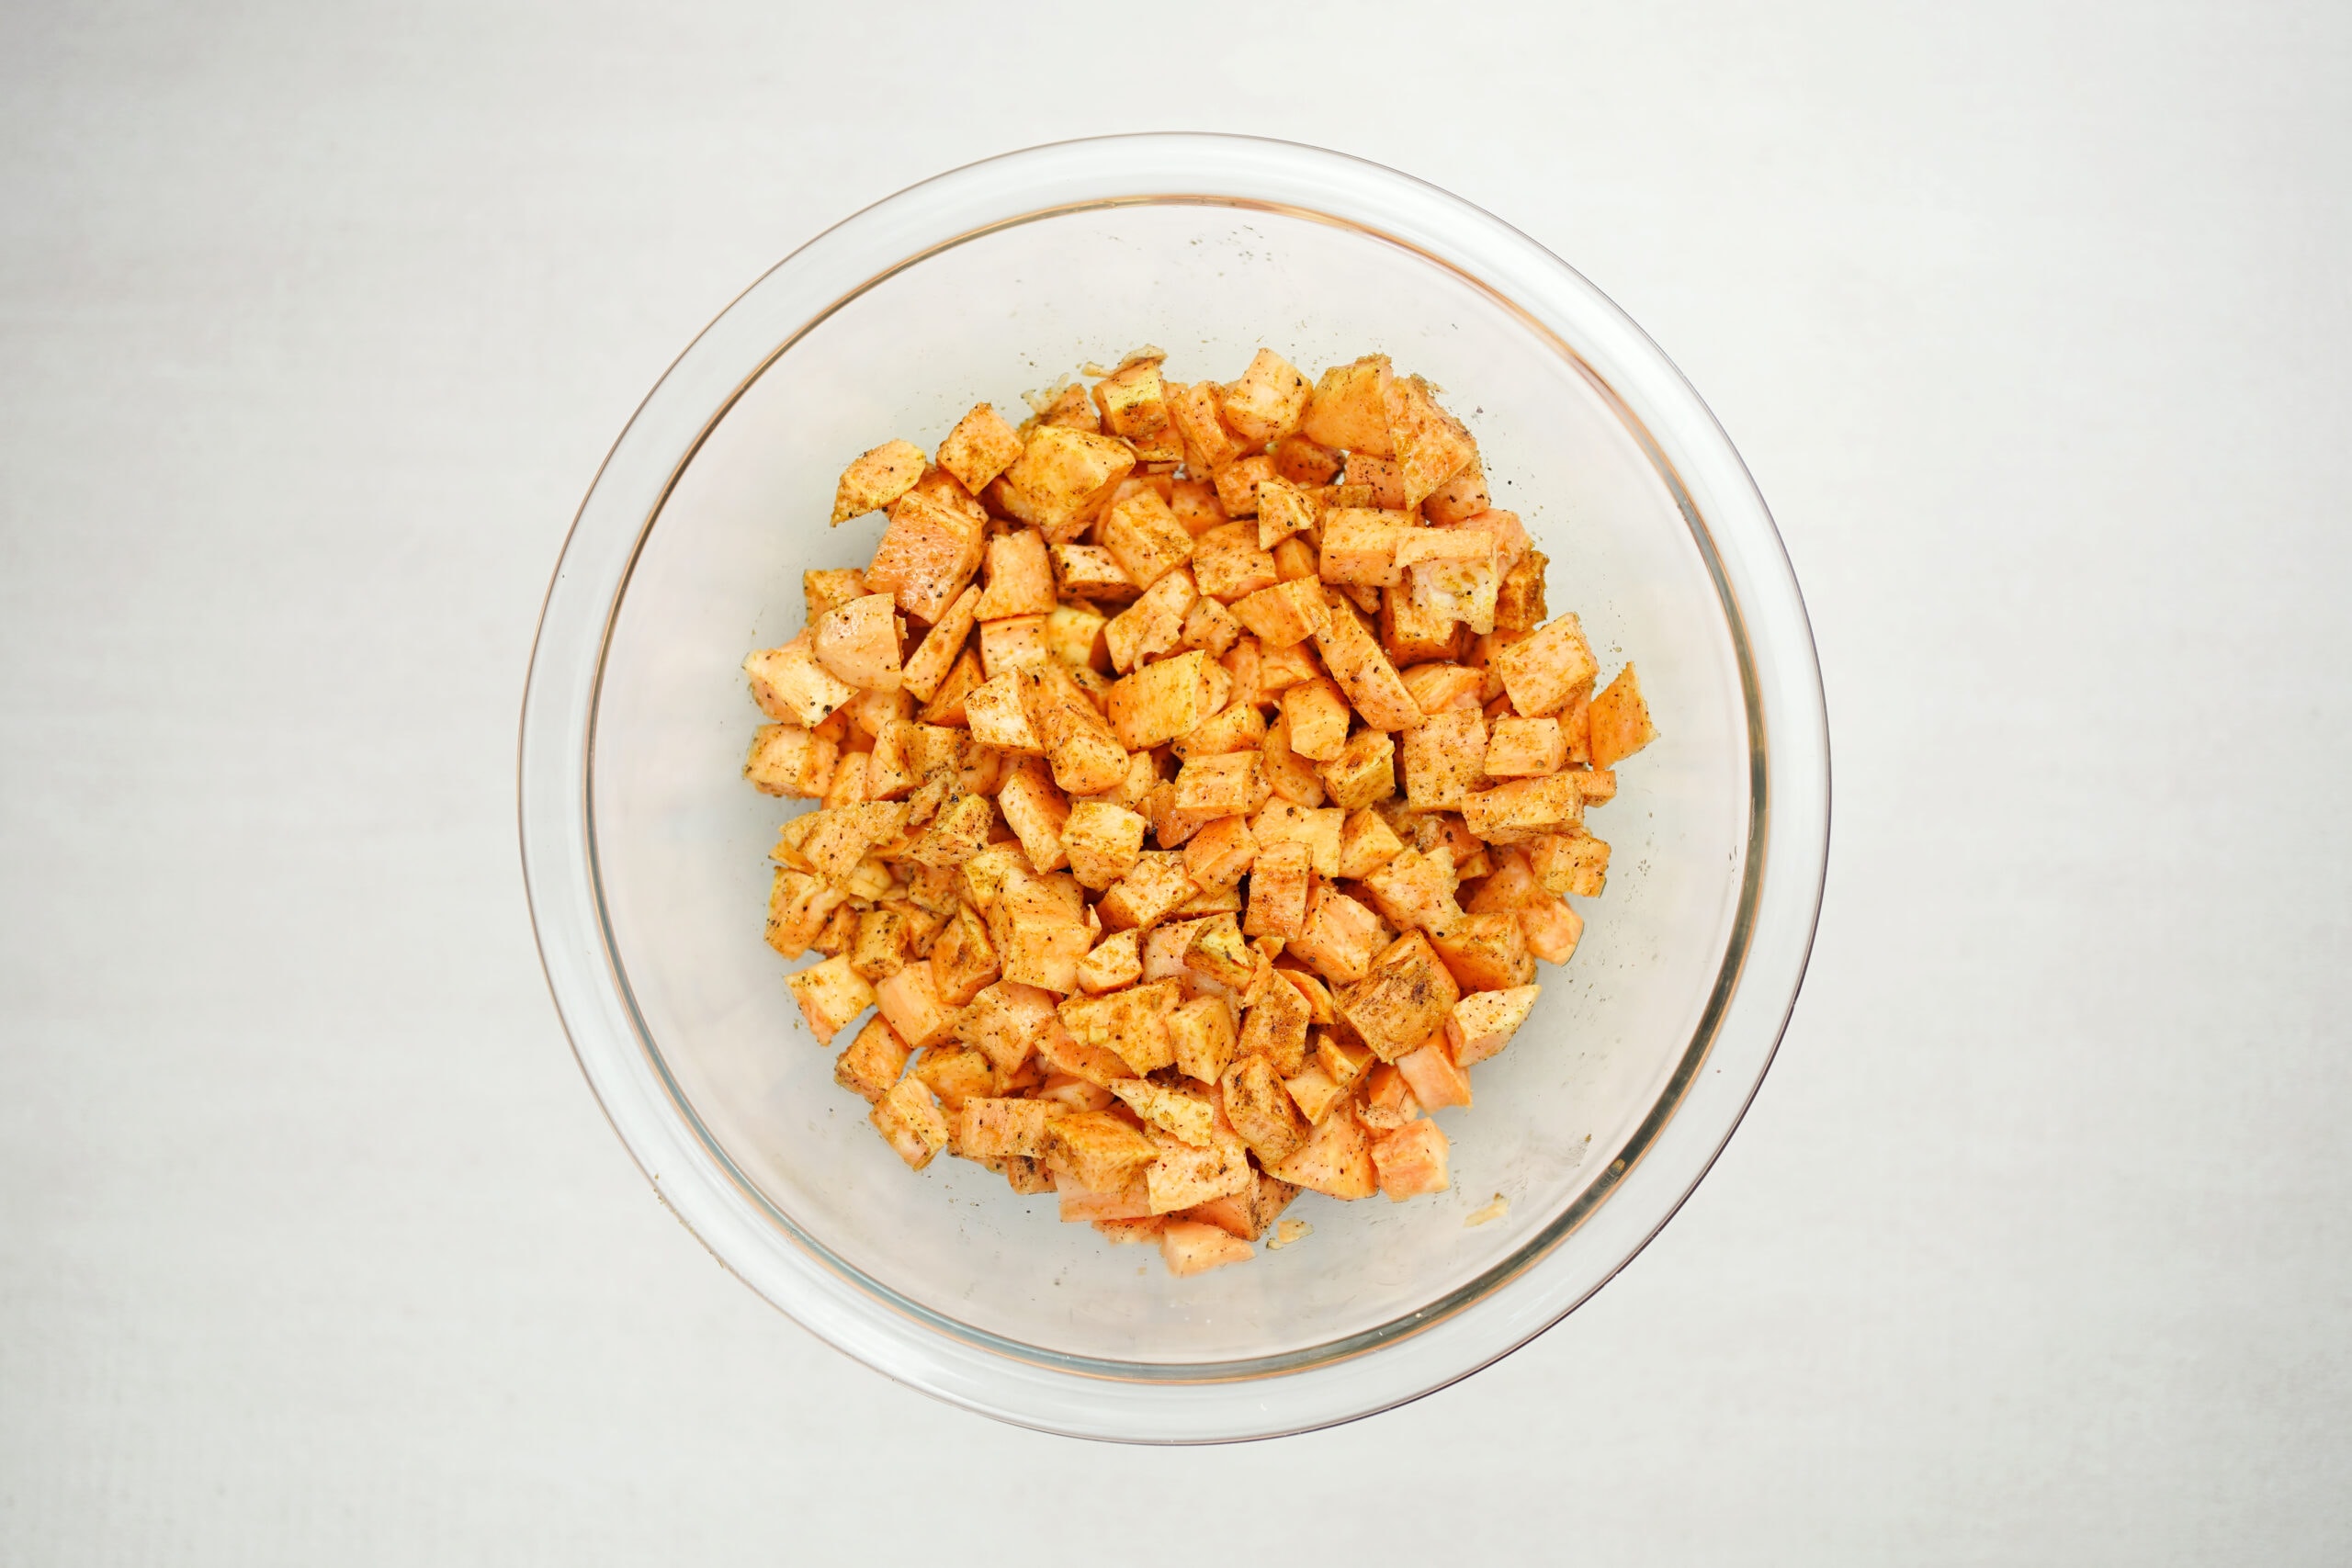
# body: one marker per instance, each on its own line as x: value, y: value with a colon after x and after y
x: 2031, y: 321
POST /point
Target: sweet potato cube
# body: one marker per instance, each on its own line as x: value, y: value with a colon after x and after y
x: 1275, y: 1028
x: 1305, y: 463
x: 1097, y: 1065
x: 1482, y: 1022
x: 1187, y: 1117
x: 1134, y: 402
x: 927, y: 556
x: 1104, y: 1152
x: 1237, y: 482
x: 1380, y: 478
x: 1403, y: 999
x: 1485, y: 951
x: 1431, y: 444
x: 1317, y: 714
x: 1525, y: 808
x: 1365, y: 674
x: 1020, y: 576
x: 1209, y: 626
x: 1229, y: 565
x: 873, y: 1061
x: 1284, y: 614
x: 955, y: 1073
x: 1218, y: 952
x: 1190, y: 1248
x: 1525, y: 747
x: 1219, y: 854
x: 1203, y: 1035
x: 963, y: 958
x: 1226, y: 784
x: 981, y: 447
x: 1003, y: 1021
x: 1317, y: 828
x: 790, y: 685
x: 1315, y: 1091
x: 1267, y: 401
x: 858, y: 642
x: 1620, y: 724
x: 1519, y: 600
x: 1114, y: 962
x: 1130, y: 1206
x: 1238, y: 728
x: 1452, y: 574
x: 1366, y: 843
x: 1364, y: 771
x: 911, y: 1002
x: 1034, y: 809
x: 877, y: 478
x: 1186, y: 1174
x: 1437, y: 688
x: 909, y: 1121
x: 1288, y: 774
x: 1280, y: 880
x: 1412, y: 635
x: 1246, y: 1214
x: 928, y: 670
x: 1154, y: 624
x: 1415, y: 891
x: 1261, y: 1110
x: 1039, y: 937
x: 956, y: 833
x: 1145, y: 538
x: 1132, y: 1024
x: 1154, y: 886
x: 1553, y: 928
x: 1411, y: 1161
x: 1598, y: 785
x: 1335, y: 1160
x: 1570, y: 863
x: 787, y: 759
x: 1087, y: 758
x: 830, y: 994
x: 821, y: 591
x: 1282, y: 513
x: 1348, y: 409
x: 1063, y: 476
x: 992, y: 1128
x: 1200, y: 427
x: 1437, y: 1080
x: 1160, y: 701
x: 1340, y: 937
x: 1281, y: 667
x: 1444, y: 759
x: 1542, y: 670
x: 1343, y: 1063
x: 1360, y: 546
x: 1102, y: 842
x: 1463, y: 496
x: 879, y: 950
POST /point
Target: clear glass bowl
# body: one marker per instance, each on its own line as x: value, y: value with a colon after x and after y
x: 645, y: 853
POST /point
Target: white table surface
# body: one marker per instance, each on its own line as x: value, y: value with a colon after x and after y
x: 2032, y: 321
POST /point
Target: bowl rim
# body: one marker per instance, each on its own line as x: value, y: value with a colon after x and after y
x: 1469, y: 1327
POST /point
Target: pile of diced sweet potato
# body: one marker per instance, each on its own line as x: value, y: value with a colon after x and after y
x: 1202, y: 776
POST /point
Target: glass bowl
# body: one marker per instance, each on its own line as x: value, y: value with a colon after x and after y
x: 645, y: 853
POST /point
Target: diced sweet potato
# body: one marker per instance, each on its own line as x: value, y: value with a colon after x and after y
x: 1200, y: 427
x: 1101, y: 841
x: 911, y: 1002
x: 1020, y: 576
x: 1416, y: 891
x: 1437, y: 688
x: 1431, y: 444
x: 909, y: 1121
x: 1114, y: 962
x: 1304, y: 462
x: 790, y: 685
x: 1314, y: 1091
x: 1542, y: 670
x: 1335, y: 1160
x: 1482, y: 1022
x: 1341, y: 938
x: 1229, y: 564
x: 1261, y: 1110
x: 993, y: 1129
x: 787, y: 759
x: 1364, y: 771
x: 1154, y: 624
x: 1518, y: 601
x: 1186, y: 1174
x: 927, y: 556
x: 1284, y: 614
x: 1348, y: 409
x: 1280, y: 880
x: 1134, y: 403
x: 1155, y: 885
x: 981, y: 447
x: 1202, y: 1035
x: 928, y: 670
x: 877, y: 478
x: 1463, y: 496
x: 1087, y: 758
x: 1412, y: 635
x: 830, y: 994
x: 1145, y: 538
x: 1182, y: 1114
x: 1570, y: 863
x: 1034, y: 809
x: 1160, y: 701
x: 1003, y: 1022
x: 1275, y: 1028
x: 1485, y: 951
x: 1282, y: 513
x: 1366, y: 843
x: 1287, y: 774
x: 1237, y: 482
x: 1145, y: 1232
x: 1452, y: 574
x: 1317, y: 714
x: 1097, y: 1065
x: 1317, y: 828
x: 880, y: 948
x: 1411, y: 1161
x: 1618, y: 724
x: 1553, y: 928
x: 1525, y: 808
x: 1131, y: 1205
x: 1365, y: 674
x: 821, y: 591
x: 1218, y: 952
x: 1525, y: 747
x: 1266, y: 401
x: 1361, y: 545
x: 1380, y: 476
x: 955, y: 1073
x: 963, y: 959
x: 1104, y: 1151
x: 1190, y: 1248
x: 1062, y: 478
x: 1437, y: 1080
x: 1219, y: 853
x: 1444, y: 759
x: 1402, y: 1000
x: 873, y: 1062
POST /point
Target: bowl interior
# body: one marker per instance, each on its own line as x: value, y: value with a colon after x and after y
x: 680, y: 842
